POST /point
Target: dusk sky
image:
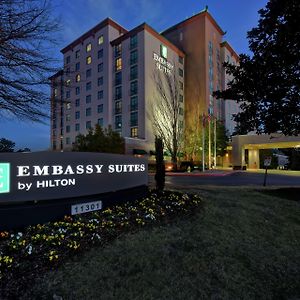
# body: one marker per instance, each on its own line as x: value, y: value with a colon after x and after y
x: 78, y: 16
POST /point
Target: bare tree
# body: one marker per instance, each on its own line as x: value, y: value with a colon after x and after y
x: 167, y: 112
x: 27, y: 33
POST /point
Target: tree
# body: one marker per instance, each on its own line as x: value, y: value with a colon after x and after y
x: 268, y: 84
x: 99, y: 140
x: 26, y: 35
x: 6, y: 145
x: 167, y: 113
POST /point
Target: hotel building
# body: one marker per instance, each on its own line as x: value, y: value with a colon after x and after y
x: 107, y: 79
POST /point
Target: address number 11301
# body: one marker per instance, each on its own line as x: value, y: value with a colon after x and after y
x: 86, y: 207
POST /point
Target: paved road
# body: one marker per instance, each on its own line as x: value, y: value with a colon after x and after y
x: 233, y: 179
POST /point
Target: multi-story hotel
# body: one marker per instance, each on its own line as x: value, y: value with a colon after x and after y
x: 108, y: 79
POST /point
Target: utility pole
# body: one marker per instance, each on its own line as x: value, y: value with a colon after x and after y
x: 203, y: 142
x: 215, y: 142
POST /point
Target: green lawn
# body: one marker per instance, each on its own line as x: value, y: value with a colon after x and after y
x: 244, y: 245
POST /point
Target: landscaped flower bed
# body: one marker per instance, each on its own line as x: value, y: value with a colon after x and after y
x: 24, y: 255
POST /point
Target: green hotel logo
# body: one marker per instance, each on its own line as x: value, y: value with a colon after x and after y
x: 4, y: 177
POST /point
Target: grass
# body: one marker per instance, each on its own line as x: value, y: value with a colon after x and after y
x: 245, y: 245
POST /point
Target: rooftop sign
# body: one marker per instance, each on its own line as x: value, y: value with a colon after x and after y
x: 52, y: 175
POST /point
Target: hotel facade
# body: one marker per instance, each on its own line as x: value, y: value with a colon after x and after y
x: 108, y: 79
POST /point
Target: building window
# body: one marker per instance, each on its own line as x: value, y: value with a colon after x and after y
x: 180, y: 71
x: 134, y: 119
x: 118, y: 64
x: 77, y: 66
x: 100, y: 81
x: 163, y: 51
x: 78, y: 78
x: 118, y: 78
x: 100, y: 108
x: 77, y: 127
x: 68, y: 106
x: 118, y: 92
x: 118, y: 50
x: 55, y: 92
x: 68, y: 82
x: 133, y: 72
x: 77, y: 54
x: 88, y: 86
x: 88, y: 47
x: 77, y: 115
x: 68, y: 71
x: 77, y: 102
x: 133, y: 88
x: 100, y: 95
x: 100, y: 67
x: 88, y: 73
x: 68, y: 93
x: 180, y: 59
x: 134, y: 132
x: 118, y: 107
x: 181, y: 111
x: 88, y: 125
x: 180, y: 98
x: 68, y: 141
x: 100, y: 40
x: 133, y: 103
x: 133, y: 42
x: 68, y: 117
x: 88, y: 60
x: 88, y: 99
x: 133, y: 57
x: 181, y: 36
x: 68, y: 128
x: 100, y: 122
x: 180, y: 85
x: 88, y: 112
x: 68, y: 59
x: 100, y: 53
x: 118, y: 122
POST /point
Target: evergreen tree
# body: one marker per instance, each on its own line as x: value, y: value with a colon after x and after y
x: 267, y: 84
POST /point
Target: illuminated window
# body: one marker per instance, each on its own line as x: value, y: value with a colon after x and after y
x: 88, y: 60
x: 100, y: 40
x: 88, y: 47
x: 68, y: 105
x: 77, y: 77
x: 68, y: 82
x: 55, y: 92
x: 164, y: 51
x: 118, y: 64
x: 134, y: 132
